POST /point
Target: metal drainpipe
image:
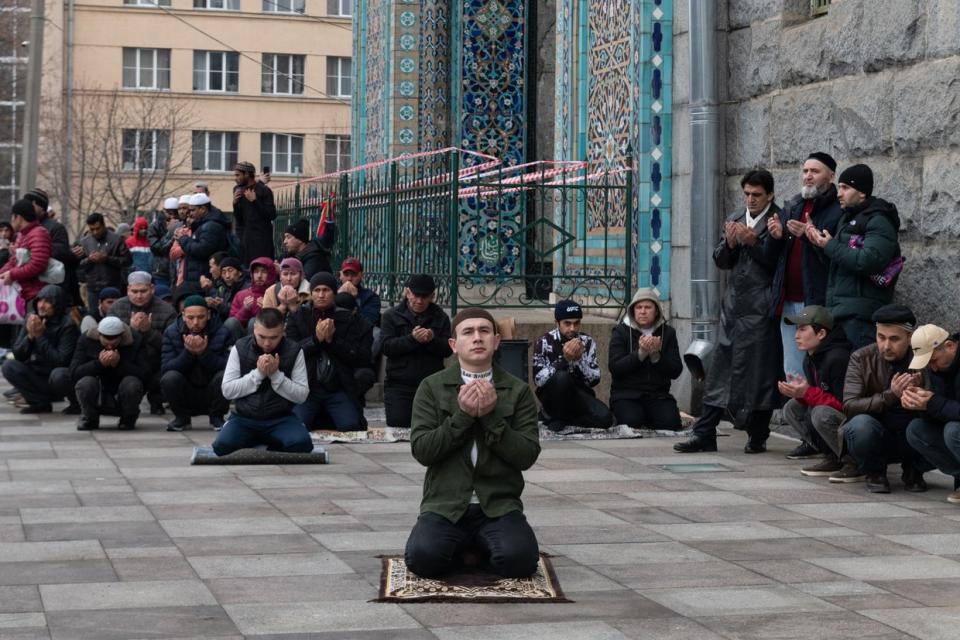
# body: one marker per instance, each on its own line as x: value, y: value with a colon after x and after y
x: 67, y: 214
x: 705, y: 182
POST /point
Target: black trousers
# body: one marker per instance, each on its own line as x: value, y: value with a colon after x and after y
x: 187, y: 399
x: 36, y: 387
x: 398, y: 403
x: 566, y: 400
x: 436, y: 545
x: 95, y: 400
x: 757, y: 426
x: 652, y: 412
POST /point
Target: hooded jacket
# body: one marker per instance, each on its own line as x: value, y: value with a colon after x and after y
x: 197, y: 369
x: 314, y: 259
x: 86, y: 360
x: 210, y: 234
x: 944, y: 406
x: 826, y: 369
x: 140, y: 247
x: 237, y: 310
x: 108, y: 273
x: 850, y: 292
x: 410, y: 361
x: 35, y: 241
x: 636, y: 374
x: 56, y: 346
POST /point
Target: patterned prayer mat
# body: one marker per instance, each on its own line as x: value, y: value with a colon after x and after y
x: 397, y: 584
x: 372, y: 434
x: 618, y: 432
x: 205, y: 455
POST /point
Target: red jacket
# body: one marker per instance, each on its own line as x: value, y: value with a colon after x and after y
x: 35, y: 239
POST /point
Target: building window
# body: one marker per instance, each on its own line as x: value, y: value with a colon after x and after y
x: 282, y: 74
x: 146, y: 68
x: 342, y: 8
x: 214, y: 150
x: 336, y: 153
x: 223, y: 5
x: 283, y: 6
x: 145, y: 149
x: 819, y: 7
x: 283, y: 152
x: 147, y: 3
x: 216, y: 71
x: 339, y: 80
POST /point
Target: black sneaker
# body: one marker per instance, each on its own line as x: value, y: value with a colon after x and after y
x: 695, y: 445
x: 913, y: 481
x: 755, y: 446
x: 216, y: 423
x: 179, y: 423
x: 88, y: 424
x: 37, y: 408
x: 157, y: 409
x: 127, y: 423
x: 826, y: 467
x: 804, y: 451
x: 878, y: 483
x: 848, y: 473
x: 71, y: 410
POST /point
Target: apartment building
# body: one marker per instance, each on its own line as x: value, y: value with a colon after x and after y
x: 14, y: 29
x: 268, y: 81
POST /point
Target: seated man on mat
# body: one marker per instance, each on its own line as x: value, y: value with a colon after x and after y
x: 565, y: 370
x: 475, y: 429
x: 266, y: 376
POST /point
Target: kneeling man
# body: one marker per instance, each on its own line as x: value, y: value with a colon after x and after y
x: 266, y: 377
x: 475, y: 429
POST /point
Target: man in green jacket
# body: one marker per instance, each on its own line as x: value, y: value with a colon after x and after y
x: 475, y: 429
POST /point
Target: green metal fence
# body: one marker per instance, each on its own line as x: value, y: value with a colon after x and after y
x: 489, y: 235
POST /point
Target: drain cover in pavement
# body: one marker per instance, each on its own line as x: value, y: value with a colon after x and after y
x: 702, y: 467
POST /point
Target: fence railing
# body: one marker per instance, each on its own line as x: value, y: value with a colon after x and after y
x: 489, y: 235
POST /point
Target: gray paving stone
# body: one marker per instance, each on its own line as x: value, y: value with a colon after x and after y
x: 344, y: 615
x: 791, y: 571
x: 714, y: 573
x: 689, y: 498
x: 597, y: 535
x: 797, y: 626
x: 111, y: 534
x: 736, y: 600
x: 734, y: 513
x: 291, y: 588
x: 32, y: 487
x: 892, y: 567
x: 769, y: 549
x: 19, y: 599
x: 24, y: 573
x: 722, y: 531
x: 937, y: 543
x: 125, y: 595
x: 835, y: 512
x: 227, y: 527
x: 50, y: 551
x: 630, y: 553
x: 201, y: 496
x: 206, y: 622
x: 902, y: 526
x: 383, y: 541
x: 227, y: 511
x: 86, y: 515
x: 245, y: 545
x: 22, y: 620
x: 123, y: 553
x: 281, y: 564
x: 939, y: 623
x: 142, y: 569
x: 572, y: 475
x: 554, y: 631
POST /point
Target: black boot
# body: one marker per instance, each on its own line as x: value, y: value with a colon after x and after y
x: 128, y: 423
x: 913, y: 480
x: 88, y: 423
x: 179, y: 423
x: 696, y: 445
x: 755, y: 445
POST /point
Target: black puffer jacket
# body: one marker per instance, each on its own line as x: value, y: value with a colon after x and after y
x: 210, y: 235
x: 314, y: 260
x: 86, y: 360
x: 409, y: 361
x: 349, y: 350
x: 944, y: 406
x: 55, y: 347
x: 634, y: 378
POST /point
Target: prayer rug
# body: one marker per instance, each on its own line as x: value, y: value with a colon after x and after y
x: 372, y: 434
x: 618, y: 432
x: 205, y: 455
x: 397, y: 584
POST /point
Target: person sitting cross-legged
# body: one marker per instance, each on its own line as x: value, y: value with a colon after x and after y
x: 644, y: 360
x: 565, y: 370
x: 935, y: 433
x: 475, y: 429
x: 109, y: 370
x: 266, y: 377
x: 875, y: 431
x: 42, y: 354
x: 195, y: 349
x: 415, y: 339
x: 814, y: 410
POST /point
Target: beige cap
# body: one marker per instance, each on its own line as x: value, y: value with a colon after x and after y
x: 923, y: 341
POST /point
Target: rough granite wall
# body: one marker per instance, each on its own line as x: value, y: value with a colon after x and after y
x: 873, y: 81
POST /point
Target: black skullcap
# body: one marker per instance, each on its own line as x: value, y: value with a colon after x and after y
x: 24, y: 209
x: 895, y: 314
x: 323, y: 278
x: 860, y: 177
x: 39, y: 196
x: 824, y: 158
x: 230, y: 261
x: 300, y: 230
x: 345, y: 301
x: 421, y: 284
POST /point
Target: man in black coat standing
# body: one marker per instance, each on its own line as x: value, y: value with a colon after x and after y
x: 415, y: 338
x: 254, y: 213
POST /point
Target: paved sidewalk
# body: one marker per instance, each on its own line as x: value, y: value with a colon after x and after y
x: 113, y: 535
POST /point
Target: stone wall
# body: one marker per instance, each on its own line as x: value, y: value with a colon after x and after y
x: 872, y: 81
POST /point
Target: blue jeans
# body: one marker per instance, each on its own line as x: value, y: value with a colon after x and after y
x: 343, y: 411
x: 792, y: 357
x: 873, y: 446
x: 938, y: 443
x: 286, y: 433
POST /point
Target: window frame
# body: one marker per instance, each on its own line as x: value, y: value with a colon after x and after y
x: 148, y: 4
x: 338, y: 13
x: 229, y: 150
x: 339, y: 140
x: 225, y: 58
x: 270, y: 160
x: 138, y: 68
x: 157, y: 158
x: 335, y: 81
x: 273, y: 6
x: 205, y: 5
x: 269, y: 68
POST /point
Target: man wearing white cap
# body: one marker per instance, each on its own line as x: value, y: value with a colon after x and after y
x: 160, y: 234
x: 108, y: 372
x: 935, y: 435
x: 183, y: 206
x: 209, y: 233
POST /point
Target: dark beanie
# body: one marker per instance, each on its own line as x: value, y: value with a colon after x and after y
x: 421, y: 284
x: 345, y: 301
x: 300, y: 230
x: 184, y: 291
x: 230, y: 261
x: 110, y: 293
x: 825, y: 158
x: 323, y: 278
x: 193, y: 300
x: 469, y: 314
x: 895, y: 314
x: 24, y: 209
x: 567, y: 310
x: 860, y: 177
